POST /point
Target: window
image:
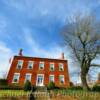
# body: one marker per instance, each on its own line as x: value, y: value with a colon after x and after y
x: 41, y: 65
x: 51, y: 66
x: 30, y: 65
x: 51, y: 78
x: 16, y: 77
x: 61, y: 79
x: 28, y: 77
x: 61, y: 68
x: 20, y: 63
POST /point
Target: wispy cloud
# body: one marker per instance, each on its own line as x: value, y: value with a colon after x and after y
x: 5, y: 54
x: 53, y: 51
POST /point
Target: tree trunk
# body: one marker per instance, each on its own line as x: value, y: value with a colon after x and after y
x: 84, y: 80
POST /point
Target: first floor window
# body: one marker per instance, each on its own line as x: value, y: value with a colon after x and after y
x: 28, y: 77
x: 16, y: 77
x: 61, y: 79
x: 51, y: 78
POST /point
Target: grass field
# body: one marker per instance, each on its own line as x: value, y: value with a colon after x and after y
x: 12, y: 93
x: 77, y: 95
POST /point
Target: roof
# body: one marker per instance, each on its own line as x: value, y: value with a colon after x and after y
x: 39, y: 58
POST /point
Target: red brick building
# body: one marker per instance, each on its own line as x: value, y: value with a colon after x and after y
x: 39, y: 71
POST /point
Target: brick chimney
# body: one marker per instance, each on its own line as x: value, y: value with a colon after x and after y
x: 62, y: 56
x: 20, y: 52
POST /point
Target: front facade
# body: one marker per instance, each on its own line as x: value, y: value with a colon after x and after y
x: 39, y: 71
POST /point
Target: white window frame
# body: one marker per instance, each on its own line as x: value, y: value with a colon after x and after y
x: 37, y: 80
x: 51, y: 67
x: 19, y: 64
x: 40, y: 66
x: 29, y: 64
x: 18, y: 77
x: 30, y: 76
x: 53, y: 78
x: 63, y: 79
x: 61, y: 65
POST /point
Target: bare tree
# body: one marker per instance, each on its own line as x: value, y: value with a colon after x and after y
x: 82, y: 36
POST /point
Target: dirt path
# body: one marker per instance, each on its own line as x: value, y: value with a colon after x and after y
x: 63, y: 98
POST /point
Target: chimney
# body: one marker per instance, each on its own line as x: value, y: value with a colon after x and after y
x: 62, y: 55
x: 20, y: 52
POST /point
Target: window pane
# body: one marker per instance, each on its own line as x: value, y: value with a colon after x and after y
x: 52, y: 67
x: 30, y: 65
x: 61, y: 68
x: 41, y: 65
x: 20, y: 63
x: 61, y: 78
x: 51, y: 78
x: 16, y: 77
x: 28, y: 77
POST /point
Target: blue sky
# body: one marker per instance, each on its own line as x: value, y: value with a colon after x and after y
x: 35, y: 26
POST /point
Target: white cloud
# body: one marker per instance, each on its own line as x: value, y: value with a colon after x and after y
x: 58, y: 9
x: 5, y: 54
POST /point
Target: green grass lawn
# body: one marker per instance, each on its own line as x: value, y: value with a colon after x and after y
x: 12, y: 93
x: 78, y: 94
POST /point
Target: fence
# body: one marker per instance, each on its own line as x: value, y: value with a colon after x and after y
x: 21, y: 95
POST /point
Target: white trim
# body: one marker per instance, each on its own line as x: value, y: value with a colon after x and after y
x: 18, y: 77
x: 53, y: 78
x: 37, y: 80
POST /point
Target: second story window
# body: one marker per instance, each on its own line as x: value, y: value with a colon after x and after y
x: 51, y: 66
x: 16, y: 78
x: 41, y: 65
x: 20, y: 64
x: 30, y: 65
x: 61, y: 67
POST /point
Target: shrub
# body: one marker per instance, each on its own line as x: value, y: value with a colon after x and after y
x: 51, y: 85
x: 3, y: 82
x: 27, y: 86
x: 75, y: 88
x: 96, y: 88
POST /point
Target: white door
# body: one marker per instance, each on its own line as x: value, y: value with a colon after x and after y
x: 40, y: 80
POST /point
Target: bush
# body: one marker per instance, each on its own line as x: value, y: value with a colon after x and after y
x: 96, y: 88
x: 51, y: 85
x: 3, y: 82
x: 76, y: 88
x: 27, y: 86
